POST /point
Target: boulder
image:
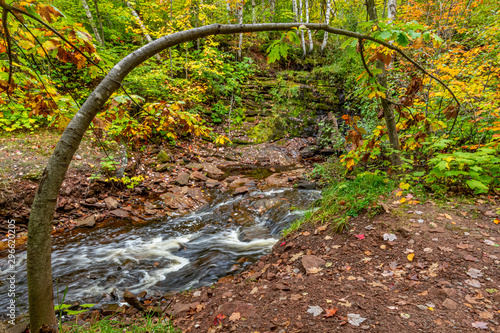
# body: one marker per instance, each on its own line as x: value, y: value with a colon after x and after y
x: 198, y: 176
x: 111, y: 203
x: 122, y: 213
x: 164, y: 167
x: 312, y: 263
x: 163, y: 157
x: 196, y: 194
x: 87, y: 222
x: 194, y: 166
x: 240, y: 190
x: 183, y: 178
x: 211, y: 183
x: 306, y: 185
x: 212, y: 171
x: 176, y: 201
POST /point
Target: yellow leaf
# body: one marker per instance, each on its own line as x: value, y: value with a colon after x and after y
x: 496, y: 221
x: 410, y: 256
x: 404, y: 186
x: 447, y: 216
x: 403, y: 200
x: 399, y: 193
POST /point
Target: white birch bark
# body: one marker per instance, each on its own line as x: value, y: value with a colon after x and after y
x: 327, y: 22
x: 91, y: 20
x: 295, y: 11
x: 392, y: 9
x: 302, y: 40
x: 309, y: 30
x: 254, y: 18
x: 143, y: 27
x: 240, y: 21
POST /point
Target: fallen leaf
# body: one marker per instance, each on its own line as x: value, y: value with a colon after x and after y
x: 322, y: 228
x: 463, y: 246
x: 296, y: 256
x: 315, y: 310
x: 486, y: 315
x: 445, y: 249
x: 283, y: 244
x: 447, y: 216
x: 491, y: 290
x: 389, y: 237
x: 480, y: 324
x: 496, y: 221
x: 410, y: 256
x: 235, y: 316
x: 474, y: 273
x: 473, y: 283
x: 360, y: 236
x: 355, y: 319
x: 330, y: 312
x: 218, y: 320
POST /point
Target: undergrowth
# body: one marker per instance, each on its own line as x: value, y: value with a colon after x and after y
x: 141, y: 325
x: 345, y: 199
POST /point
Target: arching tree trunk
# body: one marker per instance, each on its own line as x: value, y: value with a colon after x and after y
x: 386, y: 106
x: 327, y: 22
x: 41, y: 309
x: 91, y: 21
x: 143, y: 27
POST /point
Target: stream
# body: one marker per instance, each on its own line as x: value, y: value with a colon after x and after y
x: 170, y: 254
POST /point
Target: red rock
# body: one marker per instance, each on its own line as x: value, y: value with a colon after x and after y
x: 198, y: 176
x: 310, y: 263
x: 241, y: 190
x: 119, y: 213
x: 183, y: 178
x: 111, y: 203
x: 450, y: 304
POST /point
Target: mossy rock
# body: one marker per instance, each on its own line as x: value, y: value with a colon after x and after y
x: 163, y: 157
x: 33, y: 175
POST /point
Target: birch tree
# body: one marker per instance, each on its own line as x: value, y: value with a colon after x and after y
x: 91, y: 21
x: 327, y: 22
x: 240, y: 21
x: 253, y: 12
x: 302, y: 40
x: 99, y: 19
x: 392, y: 9
x: 143, y: 27
x: 311, y: 45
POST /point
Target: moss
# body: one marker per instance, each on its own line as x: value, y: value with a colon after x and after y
x: 163, y: 157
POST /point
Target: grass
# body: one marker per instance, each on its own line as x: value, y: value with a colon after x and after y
x: 348, y: 198
x: 142, y: 325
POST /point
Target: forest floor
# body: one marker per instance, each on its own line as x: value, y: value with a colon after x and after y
x: 430, y: 267
x: 424, y: 267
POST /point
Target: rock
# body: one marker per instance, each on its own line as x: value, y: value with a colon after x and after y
x: 312, y: 263
x: 119, y: 213
x: 176, y: 201
x: 198, y: 176
x: 87, y: 222
x: 164, y: 167
x: 196, y: 194
x: 109, y: 309
x: 241, y: 190
x: 306, y: 185
x: 276, y: 180
x: 450, y: 304
x: 91, y: 200
x: 238, y: 182
x: 194, y: 166
x: 308, y: 151
x: 212, y: 170
x: 162, y: 157
x: 180, y: 307
x: 280, y: 286
x: 246, y: 310
x: 211, y: 183
x: 111, y: 203
x: 255, y: 276
x: 132, y: 300
x: 183, y: 178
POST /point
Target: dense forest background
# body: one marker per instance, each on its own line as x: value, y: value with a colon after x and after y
x: 213, y: 86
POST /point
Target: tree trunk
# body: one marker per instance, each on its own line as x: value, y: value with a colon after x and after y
x: 386, y: 106
x: 311, y: 46
x: 143, y: 27
x: 392, y: 9
x: 91, y: 21
x: 327, y: 22
x: 295, y: 11
x: 254, y: 18
x: 99, y: 19
x: 41, y: 308
x: 240, y: 21
x: 302, y: 39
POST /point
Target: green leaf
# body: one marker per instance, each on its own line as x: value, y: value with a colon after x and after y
x: 477, y: 185
x: 402, y: 39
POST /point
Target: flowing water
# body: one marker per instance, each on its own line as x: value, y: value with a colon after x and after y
x: 172, y: 254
